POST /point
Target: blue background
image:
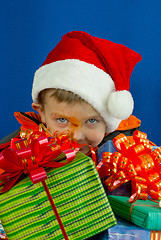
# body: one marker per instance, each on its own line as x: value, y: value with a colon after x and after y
x: 31, y: 28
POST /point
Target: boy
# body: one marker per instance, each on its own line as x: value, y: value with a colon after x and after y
x: 83, y: 88
x: 88, y: 71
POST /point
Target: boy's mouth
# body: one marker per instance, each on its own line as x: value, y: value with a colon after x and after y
x: 85, y: 149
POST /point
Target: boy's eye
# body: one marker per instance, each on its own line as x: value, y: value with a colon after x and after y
x: 62, y: 120
x: 92, y: 121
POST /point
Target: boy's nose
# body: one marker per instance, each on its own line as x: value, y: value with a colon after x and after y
x: 78, y: 134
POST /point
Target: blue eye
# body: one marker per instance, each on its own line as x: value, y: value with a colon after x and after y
x: 62, y: 120
x: 92, y: 121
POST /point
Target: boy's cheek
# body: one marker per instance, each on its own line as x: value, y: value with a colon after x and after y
x: 94, y: 139
x: 97, y: 139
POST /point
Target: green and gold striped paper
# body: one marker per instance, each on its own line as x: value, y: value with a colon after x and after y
x: 78, y: 194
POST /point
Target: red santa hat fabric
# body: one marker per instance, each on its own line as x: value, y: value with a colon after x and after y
x: 96, y: 69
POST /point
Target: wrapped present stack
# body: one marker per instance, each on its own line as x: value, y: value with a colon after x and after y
x: 61, y: 198
x: 137, y: 161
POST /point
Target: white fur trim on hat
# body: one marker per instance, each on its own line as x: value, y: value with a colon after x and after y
x: 86, y: 80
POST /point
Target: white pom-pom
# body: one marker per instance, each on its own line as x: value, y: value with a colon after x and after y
x: 120, y: 104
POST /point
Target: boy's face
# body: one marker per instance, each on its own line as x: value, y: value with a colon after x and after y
x: 82, y: 121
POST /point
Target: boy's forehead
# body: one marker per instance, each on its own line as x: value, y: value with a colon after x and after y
x: 63, y: 107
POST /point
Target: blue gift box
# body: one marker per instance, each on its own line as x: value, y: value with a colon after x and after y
x: 125, y: 230
x: 106, y: 147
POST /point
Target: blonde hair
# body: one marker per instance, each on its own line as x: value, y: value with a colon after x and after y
x: 60, y: 95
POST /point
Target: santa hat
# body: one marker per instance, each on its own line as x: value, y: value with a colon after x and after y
x: 96, y: 69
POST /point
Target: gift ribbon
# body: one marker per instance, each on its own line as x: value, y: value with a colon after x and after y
x: 155, y: 235
x: 136, y: 162
x: 55, y: 210
x: 32, y: 155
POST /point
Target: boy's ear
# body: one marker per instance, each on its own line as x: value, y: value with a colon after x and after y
x: 38, y: 107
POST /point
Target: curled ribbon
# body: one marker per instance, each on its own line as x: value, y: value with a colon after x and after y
x: 136, y: 162
x: 30, y: 156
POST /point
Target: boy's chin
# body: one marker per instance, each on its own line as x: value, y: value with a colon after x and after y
x: 85, y: 149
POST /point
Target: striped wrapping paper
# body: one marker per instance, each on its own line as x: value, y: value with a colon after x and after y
x: 78, y: 194
x: 143, y: 213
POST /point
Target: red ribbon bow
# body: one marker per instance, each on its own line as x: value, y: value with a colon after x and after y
x: 134, y: 161
x: 30, y: 156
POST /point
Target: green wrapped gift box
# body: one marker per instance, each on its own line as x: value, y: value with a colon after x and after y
x: 144, y: 213
x: 78, y: 194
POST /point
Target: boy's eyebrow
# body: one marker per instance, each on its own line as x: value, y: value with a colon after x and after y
x: 57, y: 114
x: 94, y: 116
x: 60, y: 115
